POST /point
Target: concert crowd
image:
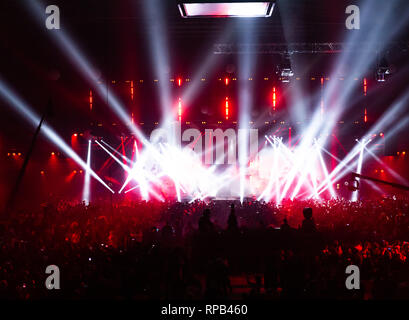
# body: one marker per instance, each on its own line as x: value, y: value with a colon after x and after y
x: 208, y: 250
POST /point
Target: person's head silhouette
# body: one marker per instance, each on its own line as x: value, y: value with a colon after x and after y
x: 307, y: 212
x: 206, y: 213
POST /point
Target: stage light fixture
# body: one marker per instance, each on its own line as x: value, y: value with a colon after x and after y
x: 284, y: 69
x: 382, y: 70
x: 225, y: 9
x: 352, y: 184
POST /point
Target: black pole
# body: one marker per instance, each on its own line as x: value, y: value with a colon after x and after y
x: 395, y: 185
x: 14, y: 192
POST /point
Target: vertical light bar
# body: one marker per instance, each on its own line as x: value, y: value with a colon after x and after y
x: 179, y: 82
x: 91, y: 100
x: 132, y: 90
x: 226, y: 81
x: 274, y: 99
x: 227, y: 108
x: 180, y: 109
x: 87, y: 179
x: 322, y: 97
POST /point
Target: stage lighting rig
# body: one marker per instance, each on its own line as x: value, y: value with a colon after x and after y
x: 284, y: 69
x: 352, y: 184
x: 225, y: 8
x: 382, y: 70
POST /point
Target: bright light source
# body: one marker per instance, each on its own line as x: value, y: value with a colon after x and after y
x: 226, y: 9
x: 180, y: 109
x: 227, y: 108
x: 90, y: 100
x: 274, y: 99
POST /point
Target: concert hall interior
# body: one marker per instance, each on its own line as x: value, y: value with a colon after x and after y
x: 147, y: 128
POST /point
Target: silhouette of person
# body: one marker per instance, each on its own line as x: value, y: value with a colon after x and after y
x: 285, y: 226
x: 167, y: 231
x: 232, y: 220
x: 205, y: 224
x: 308, y: 224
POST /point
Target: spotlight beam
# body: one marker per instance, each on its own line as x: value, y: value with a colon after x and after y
x: 354, y: 196
x: 78, y: 59
x: 142, y: 183
x: 324, y: 168
x: 22, y: 108
x: 87, y: 180
x: 390, y: 170
x: 159, y: 49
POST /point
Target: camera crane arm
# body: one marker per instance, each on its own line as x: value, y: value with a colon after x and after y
x: 395, y: 185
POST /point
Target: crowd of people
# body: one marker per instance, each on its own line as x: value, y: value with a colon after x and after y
x: 205, y: 250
